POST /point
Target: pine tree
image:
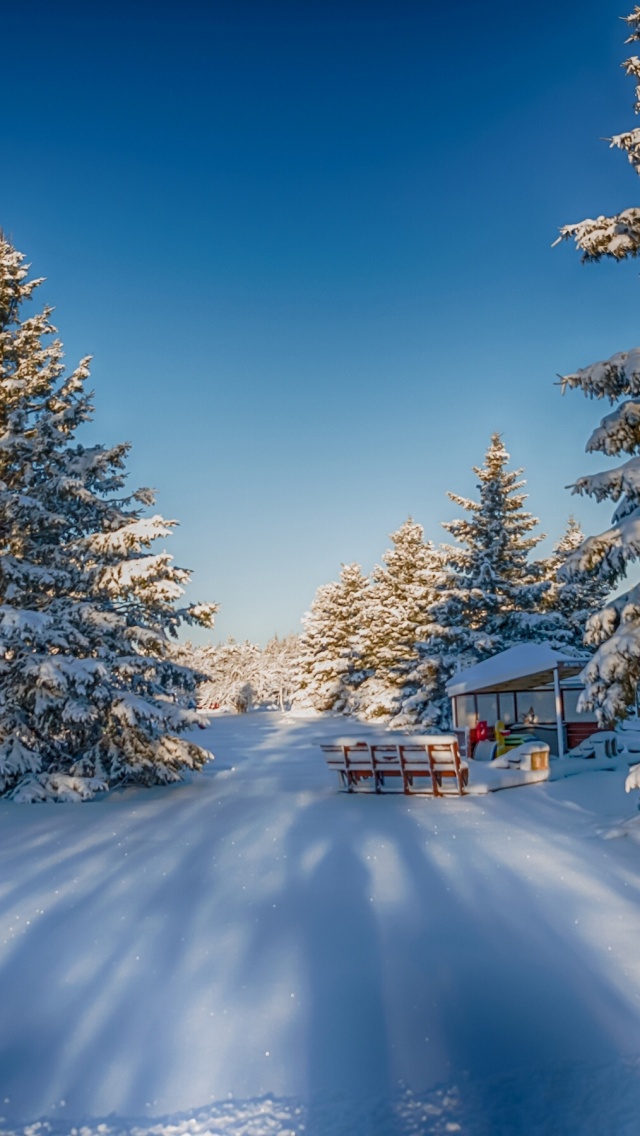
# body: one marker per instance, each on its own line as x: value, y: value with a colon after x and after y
x: 494, y: 594
x: 618, y: 236
x: 569, y: 603
x: 91, y: 694
x: 613, y: 674
x: 396, y: 618
x: 328, y: 648
x: 423, y: 702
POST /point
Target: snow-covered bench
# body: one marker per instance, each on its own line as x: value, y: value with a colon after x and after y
x: 422, y: 763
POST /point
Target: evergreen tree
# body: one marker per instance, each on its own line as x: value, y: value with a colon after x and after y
x: 91, y: 693
x: 618, y: 236
x: 396, y: 618
x: 493, y: 597
x: 328, y: 643
x: 423, y: 702
x: 613, y: 674
x: 569, y: 602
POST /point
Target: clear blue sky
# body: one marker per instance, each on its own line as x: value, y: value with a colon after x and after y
x: 309, y: 247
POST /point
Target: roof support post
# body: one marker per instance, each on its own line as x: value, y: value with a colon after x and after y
x: 559, y: 724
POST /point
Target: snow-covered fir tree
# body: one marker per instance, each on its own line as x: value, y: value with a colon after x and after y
x: 422, y: 701
x: 91, y: 694
x: 617, y: 236
x: 612, y: 675
x: 569, y: 602
x: 493, y: 596
x: 397, y: 616
x: 328, y: 662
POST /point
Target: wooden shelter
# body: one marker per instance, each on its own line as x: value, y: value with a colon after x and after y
x: 532, y: 688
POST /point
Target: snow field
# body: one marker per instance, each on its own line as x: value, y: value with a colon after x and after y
x: 253, y: 952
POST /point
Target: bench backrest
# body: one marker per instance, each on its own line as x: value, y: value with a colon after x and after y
x: 421, y: 755
x: 385, y: 758
x: 436, y: 755
x: 334, y: 755
x: 443, y: 748
x: 414, y: 756
x: 347, y: 753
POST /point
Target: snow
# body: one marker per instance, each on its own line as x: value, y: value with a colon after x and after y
x: 617, y: 430
x: 253, y: 953
x: 496, y: 775
x: 522, y: 661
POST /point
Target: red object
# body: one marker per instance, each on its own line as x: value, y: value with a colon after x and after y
x: 482, y: 732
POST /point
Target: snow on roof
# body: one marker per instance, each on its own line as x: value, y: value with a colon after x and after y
x: 534, y: 662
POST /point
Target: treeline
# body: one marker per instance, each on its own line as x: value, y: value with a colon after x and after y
x: 383, y: 646
x: 242, y: 676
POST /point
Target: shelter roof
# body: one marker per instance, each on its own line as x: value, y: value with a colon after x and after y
x: 530, y: 663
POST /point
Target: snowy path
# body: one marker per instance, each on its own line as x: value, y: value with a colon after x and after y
x: 255, y: 932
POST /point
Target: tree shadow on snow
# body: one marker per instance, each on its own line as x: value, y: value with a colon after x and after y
x: 217, y: 939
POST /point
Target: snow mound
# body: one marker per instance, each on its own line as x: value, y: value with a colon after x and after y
x: 493, y: 777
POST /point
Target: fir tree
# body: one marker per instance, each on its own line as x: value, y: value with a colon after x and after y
x: 91, y: 694
x: 396, y: 618
x: 493, y: 596
x: 328, y: 643
x: 613, y: 674
x: 618, y: 236
x: 423, y: 702
x: 570, y: 601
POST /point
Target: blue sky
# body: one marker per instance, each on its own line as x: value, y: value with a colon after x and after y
x: 309, y: 247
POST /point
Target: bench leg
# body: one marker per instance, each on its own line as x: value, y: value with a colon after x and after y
x: 461, y: 778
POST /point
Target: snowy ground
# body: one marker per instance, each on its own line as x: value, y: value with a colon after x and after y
x: 282, y: 958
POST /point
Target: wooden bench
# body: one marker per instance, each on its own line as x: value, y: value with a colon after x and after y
x: 428, y: 759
